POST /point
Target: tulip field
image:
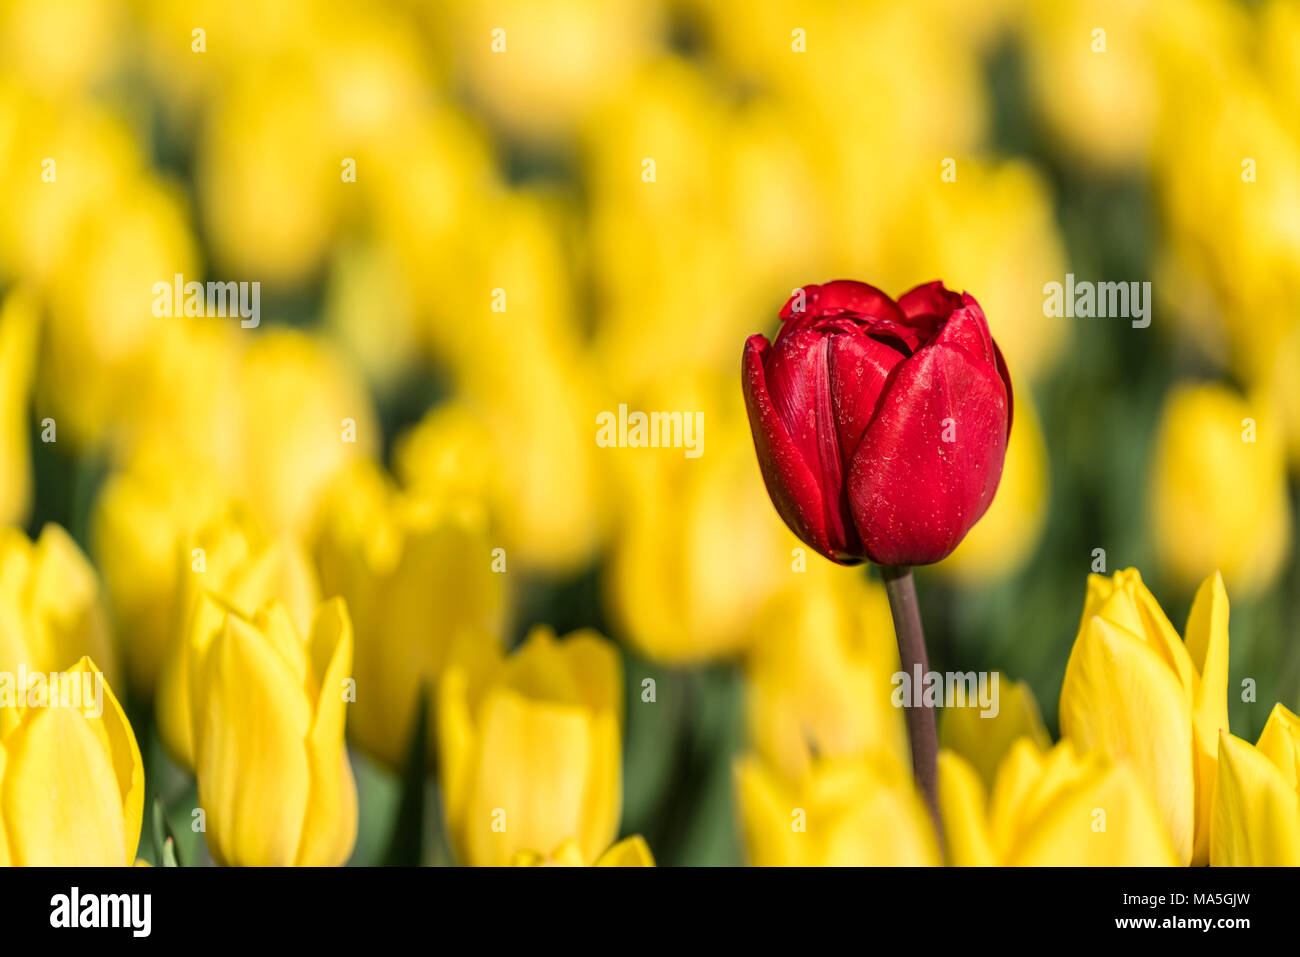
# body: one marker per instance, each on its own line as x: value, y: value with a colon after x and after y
x: 459, y: 433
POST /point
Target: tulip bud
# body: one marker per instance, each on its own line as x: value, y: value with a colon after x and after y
x: 141, y: 531
x: 1137, y: 692
x: 1257, y: 797
x: 530, y: 748
x: 1218, y: 489
x: 244, y: 568
x: 880, y: 427
x: 71, y: 777
x: 418, y: 577
x: 1045, y: 809
x: 51, y: 604
x: 860, y: 811
x: 268, y: 713
x: 819, y: 673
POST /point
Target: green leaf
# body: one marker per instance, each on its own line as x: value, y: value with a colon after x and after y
x: 164, y: 843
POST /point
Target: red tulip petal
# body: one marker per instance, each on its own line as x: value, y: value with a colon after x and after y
x: 1006, y: 381
x: 913, y: 495
x: 859, y: 368
x: 790, y: 483
x: 844, y: 295
x: 929, y: 299
x: 967, y: 330
x: 799, y: 386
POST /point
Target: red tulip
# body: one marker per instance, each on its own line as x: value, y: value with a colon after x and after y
x: 880, y: 426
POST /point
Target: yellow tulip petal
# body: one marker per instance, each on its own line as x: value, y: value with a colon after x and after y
x: 178, y: 676
x: 630, y: 852
x: 984, y: 740
x: 768, y: 818
x: 530, y: 786
x: 540, y: 669
x: 1099, y: 816
x: 1256, y: 814
x: 1280, y: 743
x: 877, y: 820
x: 568, y: 854
x: 120, y: 742
x: 597, y: 670
x: 330, y: 828
x: 961, y: 804
x: 1120, y: 696
x: 1207, y: 644
x: 60, y: 797
x: 251, y: 718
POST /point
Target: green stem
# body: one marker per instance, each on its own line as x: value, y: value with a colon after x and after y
x: 921, y: 727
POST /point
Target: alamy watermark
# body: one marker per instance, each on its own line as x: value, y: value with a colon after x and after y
x: 1100, y: 300
x: 654, y: 430
x: 217, y: 299
x: 81, y: 690
x: 953, y: 689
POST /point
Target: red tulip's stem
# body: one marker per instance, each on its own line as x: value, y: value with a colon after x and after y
x: 921, y: 728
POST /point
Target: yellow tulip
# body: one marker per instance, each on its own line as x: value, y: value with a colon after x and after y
x: 1050, y: 808
x: 51, y: 605
x: 101, y: 328
x: 1141, y: 695
x: 1219, y: 490
x: 820, y: 672
x: 1257, y: 797
x: 43, y: 216
x: 985, y: 740
x: 19, y: 318
x: 993, y: 231
x: 419, y: 578
x: 274, y: 780
x: 63, y: 49
x: 530, y: 748
x: 699, y: 548
x: 303, y: 413
x: 521, y: 374
x: 71, y: 777
x: 547, y: 66
x: 268, y: 174
x: 232, y: 559
x: 859, y: 811
x: 629, y: 852
x: 141, y: 531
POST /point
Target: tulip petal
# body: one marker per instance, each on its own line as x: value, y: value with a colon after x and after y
x: 1256, y: 815
x: 630, y: 852
x: 530, y: 787
x: 330, y: 827
x: 1097, y: 818
x: 790, y: 482
x: 1120, y: 697
x: 120, y: 743
x: 929, y: 299
x: 60, y: 796
x: 5, y: 859
x: 1207, y: 647
x: 966, y: 329
x: 859, y: 370
x: 841, y: 296
x: 1280, y: 743
x: 961, y: 803
x: 913, y: 494
x: 984, y: 741
x: 799, y: 384
x: 251, y: 718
